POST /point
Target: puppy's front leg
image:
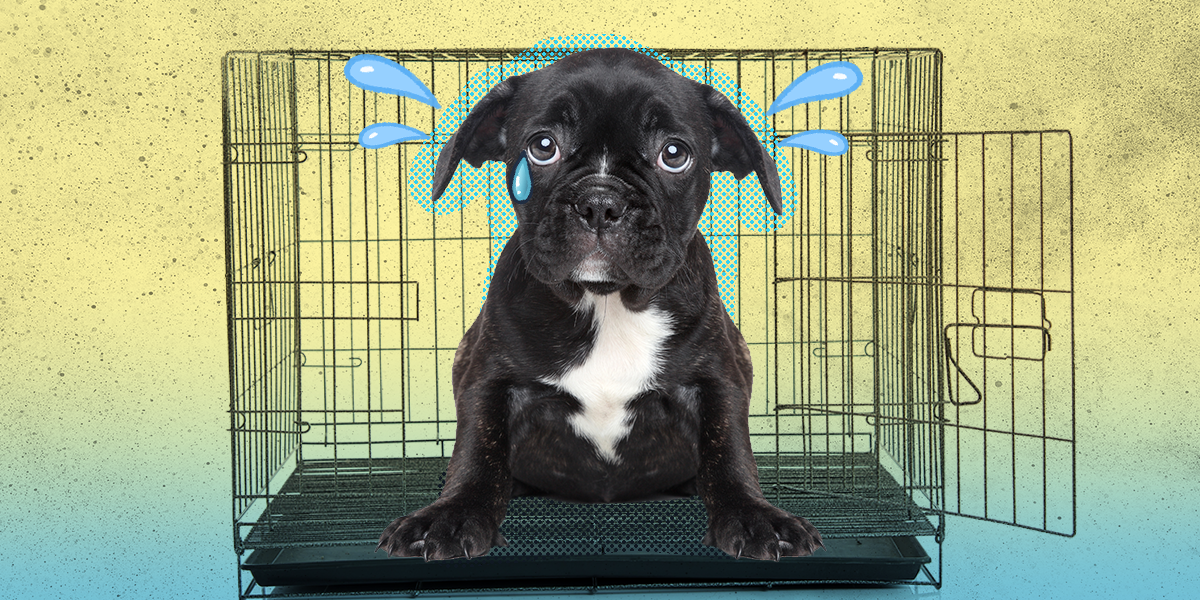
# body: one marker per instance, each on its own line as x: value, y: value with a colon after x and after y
x: 465, y: 520
x: 740, y: 520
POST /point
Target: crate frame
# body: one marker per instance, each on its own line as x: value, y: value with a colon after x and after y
x: 910, y: 153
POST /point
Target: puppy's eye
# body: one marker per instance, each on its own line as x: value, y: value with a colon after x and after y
x: 543, y: 151
x: 674, y: 158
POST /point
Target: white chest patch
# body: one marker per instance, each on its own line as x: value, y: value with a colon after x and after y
x: 623, y: 363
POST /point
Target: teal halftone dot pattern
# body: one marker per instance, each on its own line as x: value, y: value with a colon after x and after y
x: 732, y: 204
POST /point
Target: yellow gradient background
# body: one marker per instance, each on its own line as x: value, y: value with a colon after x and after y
x: 114, y: 449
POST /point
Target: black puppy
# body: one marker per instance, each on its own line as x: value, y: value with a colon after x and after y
x: 603, y: 366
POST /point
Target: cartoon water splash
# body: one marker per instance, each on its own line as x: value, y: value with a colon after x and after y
x: 824, y: 82
x: 378, y: 74
x: 382, y: 135
x: 822, y: 141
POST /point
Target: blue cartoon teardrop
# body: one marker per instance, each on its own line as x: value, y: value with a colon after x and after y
x: 822, y: 141
x: 521, y: 183
x: 381, y: 135
x: 830, y: 80
x: 378, y: 74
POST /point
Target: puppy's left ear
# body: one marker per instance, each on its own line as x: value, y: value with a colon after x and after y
x: 736, y: 147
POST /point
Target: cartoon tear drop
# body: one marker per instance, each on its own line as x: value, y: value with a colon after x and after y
x: 521, y: 182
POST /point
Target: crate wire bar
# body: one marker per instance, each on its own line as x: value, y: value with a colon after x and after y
x: 910, y: 318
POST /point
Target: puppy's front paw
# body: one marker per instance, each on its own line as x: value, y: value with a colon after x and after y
x: 759, y: 530
x: 443, y: 530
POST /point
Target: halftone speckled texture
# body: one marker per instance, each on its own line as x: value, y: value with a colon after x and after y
x: 730, y: 200
x: 114, y: 443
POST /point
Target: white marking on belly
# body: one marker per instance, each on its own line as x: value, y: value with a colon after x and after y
x: 624, y: 362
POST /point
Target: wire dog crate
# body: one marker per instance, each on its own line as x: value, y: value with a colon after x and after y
x: 910, y: 317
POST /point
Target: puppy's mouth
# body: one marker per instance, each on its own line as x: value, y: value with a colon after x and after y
x: 594, y: 268
x: 597, y: 274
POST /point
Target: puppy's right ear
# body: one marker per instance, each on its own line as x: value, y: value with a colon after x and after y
x: 479, y: 138
x: 737, y: 148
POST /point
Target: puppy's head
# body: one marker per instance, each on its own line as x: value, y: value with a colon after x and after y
x: 619, y: 150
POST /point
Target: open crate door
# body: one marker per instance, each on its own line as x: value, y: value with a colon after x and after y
x: 1007, y: 327
x: 923, y: 329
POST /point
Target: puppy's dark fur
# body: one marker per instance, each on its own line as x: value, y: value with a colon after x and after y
x: 607, y: 222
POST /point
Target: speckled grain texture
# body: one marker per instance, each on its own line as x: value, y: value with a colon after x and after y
x: 114, y: 454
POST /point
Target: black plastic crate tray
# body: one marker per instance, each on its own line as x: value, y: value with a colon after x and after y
x: 882, y: 560
x: 322, y: 528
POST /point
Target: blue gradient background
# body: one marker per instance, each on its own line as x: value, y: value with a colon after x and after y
x: 114, y: 450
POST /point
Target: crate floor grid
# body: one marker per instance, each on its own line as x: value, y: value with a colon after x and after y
x: 322, y: 527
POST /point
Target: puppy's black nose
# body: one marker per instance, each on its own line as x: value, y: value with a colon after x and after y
x: 600, y: 211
